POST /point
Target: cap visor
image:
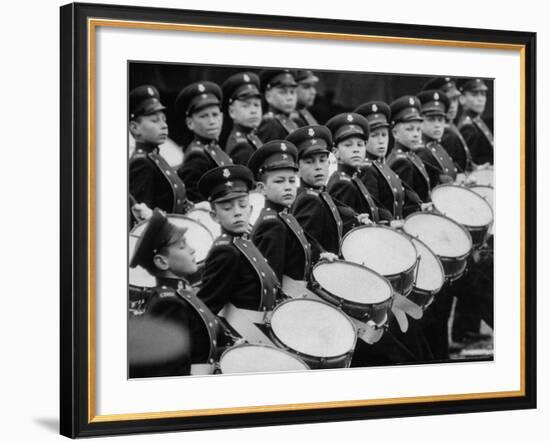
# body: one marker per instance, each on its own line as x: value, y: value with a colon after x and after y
x: 349, y: 132
x: 204, y: 103
x: 314, y: 149
x: 229, y: 196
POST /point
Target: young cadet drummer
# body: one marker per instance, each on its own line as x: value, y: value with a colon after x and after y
x: 381, y: 181
x: 173, y: 307
x: 474, y: 130
x: 277, y: 233
x: 279, y: 88
x: 440, y: 166
x: 323, y: 219
x: 306, y: 93
x: 152, y: 181
x: 244, y: 105
x: 199, y: 103
x: 235, y: 271
x: 407, y: 131
x: 452, y: 141
x: 350, y: 132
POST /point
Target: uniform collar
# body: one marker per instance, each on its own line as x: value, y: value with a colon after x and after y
x: 147, y: 147
x: 173, y: 282
x: 471, y: 113
x: 274, y: 206
x: 232, y: 234
x: 399, y: 146
x: 349, y: 170
x: 374, y: 158
x: 277, y: 111
x: 307, y: 186
x: 243, y: 129
x: 205, y: 141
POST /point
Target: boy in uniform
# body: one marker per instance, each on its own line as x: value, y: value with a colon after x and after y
x: 244, y: 105
x: 235, y: 272
x: 152, y: 181
x: 200, y: 103
x: 381, y: 181
x: 323, y: 219
x: 403, y: 160
x: 474, y: 130
x: 172, y: 308
x: 350, y: 132
x: 277, y: 233
x: 279, y: 88
x: 306, y: 92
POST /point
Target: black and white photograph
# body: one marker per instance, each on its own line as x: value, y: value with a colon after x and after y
x: 290, y: 219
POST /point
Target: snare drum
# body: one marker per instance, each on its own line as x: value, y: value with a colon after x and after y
x: 487, y: 193
x: 357, y: 290
x: 140, y: 282
x: 483, y: 177
x: 318, y: 333
x: 387, y: 251
x: 258, y: 358
x: 465, y: 207
x: 449, y: 240
x: 198, y: 236
x: 430, y: 275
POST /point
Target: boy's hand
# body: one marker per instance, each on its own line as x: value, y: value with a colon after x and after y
x: 204, y: 205
x: 141, y: 211
x: 329, y: 257
x: 427, y: 206
x: 397, y: 223
x: 364, y: 218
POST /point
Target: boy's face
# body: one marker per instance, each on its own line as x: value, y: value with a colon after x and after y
x: 453, y: 108
x: 282, y: 98
x: 351, y: 151
x: 314, y: 169
x: 247, y: 113
x: 178, y: 258
x: 233, y: 215
x: 474, y: 100
x: 306, y: 95
x: 206, y: 122
x: 280, y: 186
x: 433, y: 126
x: 409, y: 134
x: 150, y: 128
x: 377, y: 143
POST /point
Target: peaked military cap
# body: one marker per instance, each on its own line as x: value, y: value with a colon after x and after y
x: 144, y: 100
x: 158, y: 233
x: 377, y: 114
x: 346, y: 125
x: 276, y: 77
x: 310, y: 140
x: 241, y: 86
x: 226, y: 182
x: 471, y: 84
x: 197, y: 96
x: 446, y: 84
x: 303, y: 76
x: 434, y: 103
x: 273, y: 155
x: 405, y: 109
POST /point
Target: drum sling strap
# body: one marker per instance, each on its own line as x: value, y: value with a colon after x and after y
x: 217, y: 155
x: 395, y: 186
x: 243, y: 321
x: 327, y: 199
x: 370, y: 201
x: 254, y: 139
x: 298, y: 232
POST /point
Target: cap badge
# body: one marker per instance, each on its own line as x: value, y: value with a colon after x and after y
x: 478, y: 80
x: 411, y: 101
x: 229, y: 184
x: 311, y: 132
x: 374, y: 108
x: 284, y: 156
x: 180, y: 285
x: 283, y: 147
x: 204, y: 96
x: 447, y: 79
x: 349, y: 117
x: 201, y: 87
x: 436, y: 96
x: 246, y: 78
x: 226, y: 173
x: 150, y: 91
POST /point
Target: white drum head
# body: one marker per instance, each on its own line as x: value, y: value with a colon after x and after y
x: 483, y: 177
x: 203, y: 216
x: 252, y: 358
x: 462, y: 205
x: 351, y: 282
x: 197, y: 235
x: 430, y: 274
x: 138, y: 276
x: 257, y: 200
x: 383, y: 250
x: 485, y: 192
x: 313, y: 328
x: 443, y: 236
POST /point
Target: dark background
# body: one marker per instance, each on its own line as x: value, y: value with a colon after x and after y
x: 337, y: 91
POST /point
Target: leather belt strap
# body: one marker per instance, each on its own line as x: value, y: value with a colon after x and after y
x: 242, y: 320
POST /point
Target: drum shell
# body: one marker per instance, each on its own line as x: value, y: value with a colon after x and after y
x: 454, y: 267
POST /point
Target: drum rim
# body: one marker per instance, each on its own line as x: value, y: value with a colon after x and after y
x: 264, y: 346
x: 438, y: 262
x: 462, y: 227
x: 342, y: 313
x: 405, y: 236
x: 472, y: 192
x: 386, y: 281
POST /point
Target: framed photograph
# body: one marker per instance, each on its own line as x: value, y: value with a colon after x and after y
x: 182, y: 309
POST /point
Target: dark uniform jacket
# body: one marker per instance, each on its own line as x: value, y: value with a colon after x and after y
x: 282, y: 241
x: 241, y: 143
x: 478, y: 137
x: 323, y: 219
x: 455, y: 145
x: 411, y: 170
x: 439, y: 165
x: 345, y: 186
x: 303, y: 117
x: 236, y: 272
x: 275, y: 125
x: 387, y: 189
x: 154, y: 182
x: 200, y: 156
